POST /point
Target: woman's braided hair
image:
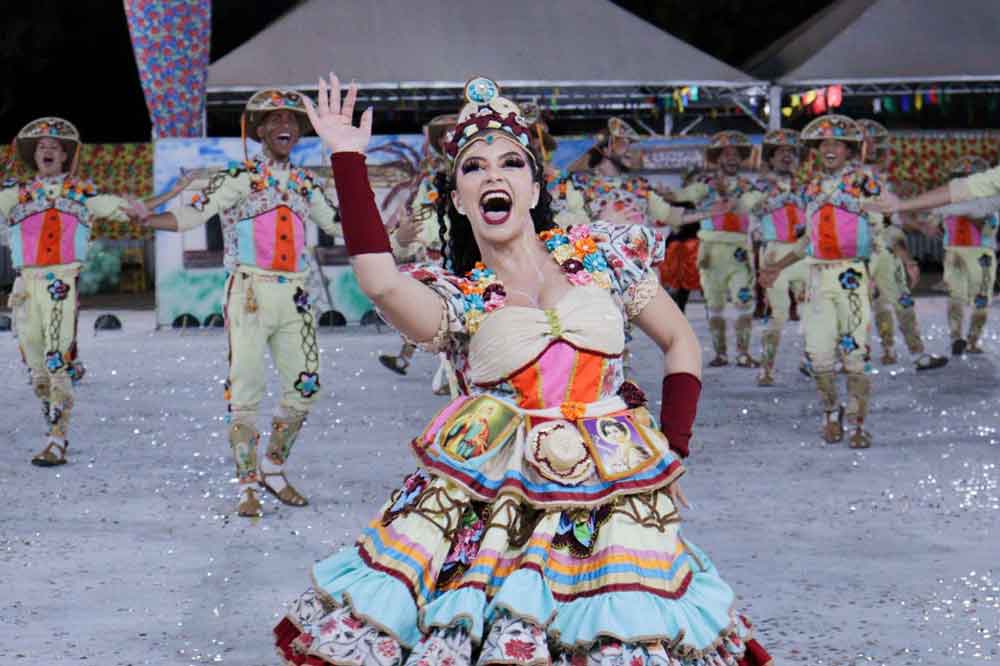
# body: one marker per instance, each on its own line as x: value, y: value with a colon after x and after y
x: 458, y: 246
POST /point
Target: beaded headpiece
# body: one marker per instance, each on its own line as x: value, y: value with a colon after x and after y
x: 726, y: 139
x: 52, y: 128
x: 968, y: 165
x: 484, y: 113
x: 782, y: 138
x: 840, y: 128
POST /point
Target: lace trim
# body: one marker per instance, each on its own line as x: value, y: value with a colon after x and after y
x: 641, y: 293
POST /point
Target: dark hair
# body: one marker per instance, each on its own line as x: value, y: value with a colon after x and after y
x: 458, y: 246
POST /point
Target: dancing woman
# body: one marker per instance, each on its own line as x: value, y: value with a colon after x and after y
x: 528, y: 548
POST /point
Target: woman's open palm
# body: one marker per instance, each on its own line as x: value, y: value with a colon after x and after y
x: 333, y: 120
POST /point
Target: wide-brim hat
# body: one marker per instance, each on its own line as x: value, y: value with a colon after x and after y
x: 833, y: 126
x: 485, y: 114
x: 49, y: 127
x: 873, y: 130
x: 728, y: 139
x: 264, y: 102
x: 438, y: 127
x: 557, y: 451
x: 968, y: 165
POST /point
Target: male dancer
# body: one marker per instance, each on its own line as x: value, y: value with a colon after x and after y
x: 724, y: 253
x: 48, y: 231
x: 838, y: 241
x: 892, y: 268
x: 779, y: 217
x: 264, y: 203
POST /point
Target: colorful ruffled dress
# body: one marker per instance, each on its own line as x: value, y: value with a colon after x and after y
x: 538, y: 528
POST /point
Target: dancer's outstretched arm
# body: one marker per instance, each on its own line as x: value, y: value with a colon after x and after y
x: 985, y: 184
x: 409, y: 306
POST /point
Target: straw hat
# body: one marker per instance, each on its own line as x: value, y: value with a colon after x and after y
x: 556, y: 449
x: 49, y: 127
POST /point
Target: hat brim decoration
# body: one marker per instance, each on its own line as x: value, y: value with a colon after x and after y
x: 49, y: 127
x: 487, y: 115
x: 836, y: 127
x: 728, y: 139
x: 264, y: 102
x: 875, y: 131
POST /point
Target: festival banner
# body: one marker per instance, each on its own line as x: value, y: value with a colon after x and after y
x: 171, y: 43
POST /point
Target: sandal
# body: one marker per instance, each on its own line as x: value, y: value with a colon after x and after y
x: 394, y: 363
x: 747, y: 361
x: 287, y: 495
x: 930, y: 362
x: 719, y: 361
x: 48, y: 458
x: 249, y: 506
x: 860, y: 439
x: 833, y: 429
x: 766, y: 378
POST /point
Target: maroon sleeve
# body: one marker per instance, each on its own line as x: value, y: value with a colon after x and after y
x: 364, y: 232
x: 681, y: 391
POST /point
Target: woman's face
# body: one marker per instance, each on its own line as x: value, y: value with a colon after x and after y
x: 495, y: 188
x: 50, y: 156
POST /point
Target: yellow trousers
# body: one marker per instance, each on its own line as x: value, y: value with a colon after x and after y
x: 266, y: 310
x: 892, y: 295
x: 794, y: 279
x: 969, y: 273
x: 837, y: 317
x: 44, y: 301
x: 727, y: 275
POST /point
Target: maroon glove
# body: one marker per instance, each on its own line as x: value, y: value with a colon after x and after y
x: 680, y: 405
x: 364, y: 232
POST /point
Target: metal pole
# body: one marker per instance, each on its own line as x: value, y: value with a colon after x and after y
x: 774, y: 98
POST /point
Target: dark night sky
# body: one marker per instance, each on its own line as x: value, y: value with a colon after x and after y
x: 74, y: 59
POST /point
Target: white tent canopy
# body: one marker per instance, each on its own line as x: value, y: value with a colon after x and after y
x: 437, y: 44
x: 872, y: 42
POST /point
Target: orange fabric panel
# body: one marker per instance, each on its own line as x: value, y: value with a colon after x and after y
x: 792, y: 214
x: 528, y: 384
x: 963, y: 232
x: 49, y: 243
x: 829, y: 244
x: 585, y: 385
x: 284, y: 242
x: 731, y: 222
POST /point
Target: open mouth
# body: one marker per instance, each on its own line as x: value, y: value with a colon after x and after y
x: 48, y: 159
x: 283, y: 139
x: 495, y: 206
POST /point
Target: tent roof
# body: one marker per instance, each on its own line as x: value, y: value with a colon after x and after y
x: 441, y: 44
x: 889, y: 41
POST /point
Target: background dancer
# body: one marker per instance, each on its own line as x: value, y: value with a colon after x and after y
x: 724, y: 253
x: 264, y: 203
x: 893, y: 270
x: 779, y: 217
x: 48, y: 229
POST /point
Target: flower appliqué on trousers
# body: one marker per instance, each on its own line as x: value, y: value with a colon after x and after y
x: 985, y: 261
x: 848, y: 343
x: 58, y: 290
x: 740, y: 255
x: 906, y: 301
x: 54, y: 361
x: 980, y: 301
x: 307, y: 384
x: 850, y: 279
x: 301, y: 299
x: 744, y: 295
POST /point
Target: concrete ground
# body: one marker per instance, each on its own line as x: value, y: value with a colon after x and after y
x: 131, y: 554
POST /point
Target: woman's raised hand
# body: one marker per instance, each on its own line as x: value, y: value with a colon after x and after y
x: 333, y: 120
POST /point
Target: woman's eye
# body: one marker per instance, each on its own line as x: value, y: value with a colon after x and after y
x: 470, y: 166
x: 513, y: 162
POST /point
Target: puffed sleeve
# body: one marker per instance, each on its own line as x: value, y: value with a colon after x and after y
x: 632, y: 252
x: 459, y: 312
x: 985, y: 184
x: 108, y: 207
x: 8, y: 197
x: 224, y: 190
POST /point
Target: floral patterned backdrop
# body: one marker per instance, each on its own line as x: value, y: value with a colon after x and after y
x: 116, y: 168
x: 171, y: 42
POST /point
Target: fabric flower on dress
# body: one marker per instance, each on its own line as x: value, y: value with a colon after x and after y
x: 307, y: 384
x: 850, y: 279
